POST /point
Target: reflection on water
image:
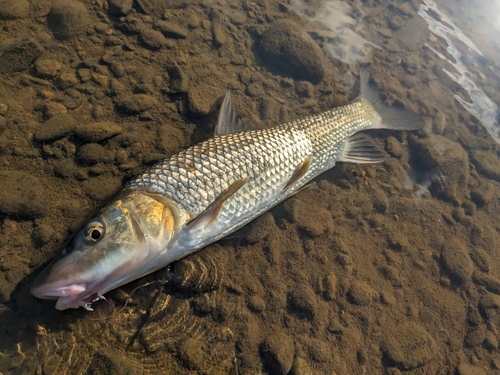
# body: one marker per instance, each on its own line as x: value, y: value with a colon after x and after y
x: 342, y: 28
x: 481, y: 106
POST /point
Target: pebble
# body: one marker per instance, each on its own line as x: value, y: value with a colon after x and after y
x: 312, y: 222
x: 293, y: 52
x: 451, y: 158
x: 12, y: 9
x: 256, y: 303
x: 22, y: 195
x: 102, y: 187
x: 55, y: 128
x: 192, y: 355
x: 170, y: 30
x: 475, y: 336
x: 217, y: 33
x: 68, y: 19
x: 360, y: 293
x: 52, y: 109
x: 138, y: 103
x: 457, y: 261
x: 178, y: 79
x: 301, y: 367
x: 277, y: 352
x: 409, y: 346
x: 152, y: 39
x: 393, y: 147
x: 329, y: 287
x: 47, y: 68
x: 491, y: 341
x: 483, y: 194
x: 487, y: 163
x: 302, y: 303
x: 66, y: 80
x: 200, y: 100
x: 120, y: 7
x: 489, y: 282
x: 97, y: 131
x: 93, y: 153
x: 481, y: 259
x: 19, y: 54
x: 466, y: 369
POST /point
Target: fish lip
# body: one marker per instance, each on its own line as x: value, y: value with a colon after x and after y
x: 51, y: 291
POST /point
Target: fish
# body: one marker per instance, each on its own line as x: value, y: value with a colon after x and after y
x: 211, y: 189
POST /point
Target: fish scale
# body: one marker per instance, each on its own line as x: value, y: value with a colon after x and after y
x: 213, y: 165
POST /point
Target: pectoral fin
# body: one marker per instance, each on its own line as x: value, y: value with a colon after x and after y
x: 299, y: 172
x: 210, y: 214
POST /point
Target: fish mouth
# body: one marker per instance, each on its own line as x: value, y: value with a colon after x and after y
x: 68, y: 296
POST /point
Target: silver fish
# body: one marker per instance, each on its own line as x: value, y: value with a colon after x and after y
x: 209, y: 190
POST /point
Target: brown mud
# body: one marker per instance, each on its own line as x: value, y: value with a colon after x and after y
x: 358, y: 276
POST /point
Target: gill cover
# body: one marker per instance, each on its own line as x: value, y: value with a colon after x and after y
x: 114, y: 248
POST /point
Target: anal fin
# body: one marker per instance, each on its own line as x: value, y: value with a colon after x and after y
x: 299, y: 172
x: 361, y: 148
x: 210, y: 214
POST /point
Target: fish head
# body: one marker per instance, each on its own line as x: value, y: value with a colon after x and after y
x: 117, y: 246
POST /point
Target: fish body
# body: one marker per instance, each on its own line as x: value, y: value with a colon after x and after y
x: 211, y: 189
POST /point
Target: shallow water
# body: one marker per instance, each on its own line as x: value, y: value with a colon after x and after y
x: 383, y: 269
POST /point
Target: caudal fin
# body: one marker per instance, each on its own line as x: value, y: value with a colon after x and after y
x: 393, y: 117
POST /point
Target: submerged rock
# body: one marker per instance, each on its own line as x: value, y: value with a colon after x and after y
x: 277, y: 352
x: 68, y: 19
x: 292, y: 51
x: 22, y: 195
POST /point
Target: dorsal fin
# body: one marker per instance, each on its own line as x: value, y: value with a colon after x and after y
x: 228, y: 121
x: 210, y: 213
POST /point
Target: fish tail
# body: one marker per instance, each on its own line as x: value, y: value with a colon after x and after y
x: 393, y: 117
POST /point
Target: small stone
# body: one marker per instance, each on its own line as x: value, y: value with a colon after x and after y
x: 483, y: 194
x: 312, y: 222
x: 200, y: 100
x: 68, y: 19
x: 192, y: 355
x: 217, y: 33
x: 120, y: 7
x: 93, y: 153
x: 97, y: 131
x: 393, y: 147
x: 395, y: 23
x: 481, y: 259
x: 46, y: 68
x: 475, y: 336
x: 66, y: 80
x: 487, y: 163
x: 409, y: 346
x: 102, y: 187
x: 277, y: 352
x: 360, y: 293
x: 301, y: 367
x: 100, y: 79
x: 52, y: 109
x: 117, y: 69
x: 193, y: 21
x: 491, y: 341
x: 466, y: 369
x: 291, y: 51
x: 18, y: 54
x: 170, y: 30
x: 152, y: 39
x: 55, y: 128
x: 43, y: 234
x: 22, y: 196
x: 137, y: 103
x: 380, y: 201
x: 457, y: 261
x: 301, y: 302
x: 179, y: 81
x: 439, y: 123
x: 489, y: 282
x: 329, y: 286
x: 257, y: 303
x: 12, y: 9
x: 362, y: 356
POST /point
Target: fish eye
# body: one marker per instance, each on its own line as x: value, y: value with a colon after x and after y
x: 94, y: 232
